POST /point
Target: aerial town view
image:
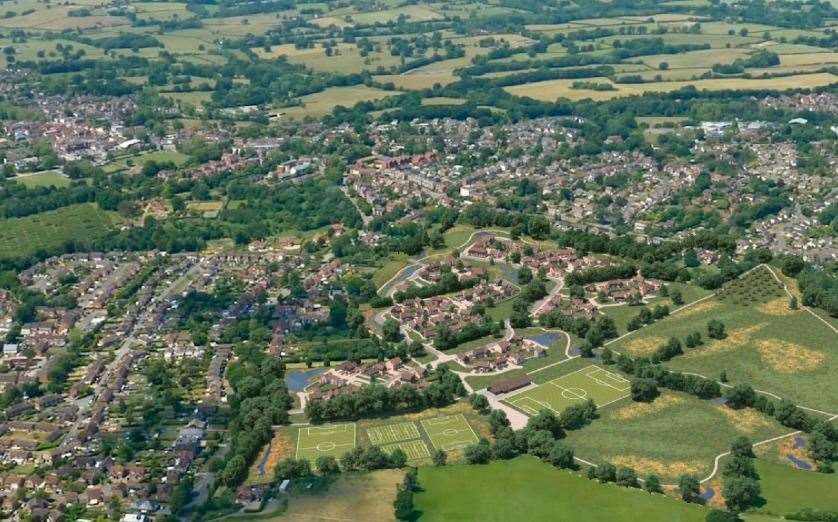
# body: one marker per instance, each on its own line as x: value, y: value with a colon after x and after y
x: 418, y: 260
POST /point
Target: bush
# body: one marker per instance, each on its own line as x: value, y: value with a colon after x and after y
x: 717, y: 515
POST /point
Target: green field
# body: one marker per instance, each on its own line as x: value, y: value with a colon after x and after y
x: 527, y: 489
x: 83, y: 222
x: 783, y: 351
x: 333, y: 439
x: 593, y: 382
x: 49, y: 178
x: 787, y: 490
x: 449, y: 432
x: 677, y: 433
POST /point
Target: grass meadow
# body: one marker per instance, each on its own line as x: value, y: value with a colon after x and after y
x: 526, y: 487
x: 669, y: 436
x: 783, y: 351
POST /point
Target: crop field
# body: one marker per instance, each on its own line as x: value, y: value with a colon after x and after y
x: 592, y: 382
x: 768, y: 345
x: 333, y: 439
x: 675, y: 434
x: 449, y: 432
x: 83, y: 222
x: 322, y: 103
x: 552, y: 90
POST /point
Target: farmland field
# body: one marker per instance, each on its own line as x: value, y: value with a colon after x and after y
x: 83, y: 222
x: 551, y: 90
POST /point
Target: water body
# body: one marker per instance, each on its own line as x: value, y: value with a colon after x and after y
x: 298, y: 380
x: 546, y: 339
x: 799, y: 442
x: 708, y: 494
x: 799, y: 464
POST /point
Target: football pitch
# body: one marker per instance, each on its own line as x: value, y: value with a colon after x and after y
x: 390, y: 433
x: 592, y: 382
x: 316, y: 441
x: 449, y: 432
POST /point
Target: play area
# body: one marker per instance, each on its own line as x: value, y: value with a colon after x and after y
x: 591, y: 382
x: 450, y: 432
x: 317, y: 441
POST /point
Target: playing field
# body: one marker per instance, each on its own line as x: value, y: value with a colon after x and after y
x: 592, y: 382
x: 449, y: 432
x: 414, y: 449
x: 316, y: 441
x: 390, y: 433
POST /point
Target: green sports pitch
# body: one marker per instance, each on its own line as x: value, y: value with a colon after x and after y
x: 414, y: 449
x: 317, y: 441
x: 449, y: 432
x: 391, y: 433
x: 592, y: 382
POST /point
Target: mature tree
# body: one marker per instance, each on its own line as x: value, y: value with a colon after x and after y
x: 740, y: 493
x: 716, y: 329
x: 740, y: 396
x: 740, y: 467
x: 689, y: 487
x: 479, y: 402
x: 627, y: 477
x: 327, y: 465
x: 479, y: 453
x: 606, y: 472
x: 644, y: 390
x: 440, y: 458
x: 719, y: 515
x: 391, y: 330
x: 652, y: 484
x: 742, y: 447
x: 560, y: 455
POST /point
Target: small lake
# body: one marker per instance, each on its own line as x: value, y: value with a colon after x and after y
x: 546, y: 339
x: 298, y: 380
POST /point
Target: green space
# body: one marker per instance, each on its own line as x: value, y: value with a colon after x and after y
x: 525, y: 487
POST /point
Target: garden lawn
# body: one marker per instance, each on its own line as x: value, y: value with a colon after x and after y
x: 675, y: 434
x: 526, y: 488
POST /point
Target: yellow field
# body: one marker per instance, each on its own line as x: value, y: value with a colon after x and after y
x: 552, y: 89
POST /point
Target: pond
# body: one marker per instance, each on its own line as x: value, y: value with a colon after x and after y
x: 298, y: 380
x: 546, y: 339
x: 800, y: 464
